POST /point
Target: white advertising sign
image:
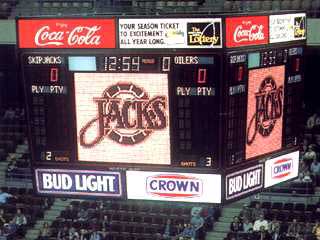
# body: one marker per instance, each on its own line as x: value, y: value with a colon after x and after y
x: 281, y: 169
x: 170, y: 33
x: 173, y: 186
x: 287, y: 27
x: 244, y: 181
x: 79, y: 182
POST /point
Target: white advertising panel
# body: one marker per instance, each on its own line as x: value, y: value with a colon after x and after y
x: 244, y: 181
x: 287, y: 27
x: 122, y: 117
x: 173, y: 186
x: 170, y: 33
x: 78, y: 182
x: 281, y: 169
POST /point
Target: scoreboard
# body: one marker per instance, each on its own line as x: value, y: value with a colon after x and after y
x: 264, y: 91
x: 132, y: 101
x: 124, y: 108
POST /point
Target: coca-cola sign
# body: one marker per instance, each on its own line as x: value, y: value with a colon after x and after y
x: 67, y: 33
x: 244, y: 31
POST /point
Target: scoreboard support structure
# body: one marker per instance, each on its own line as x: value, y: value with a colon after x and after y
x: 194, y: 109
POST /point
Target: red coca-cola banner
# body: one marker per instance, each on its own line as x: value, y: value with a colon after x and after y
x: 244, y: 31
x: 66, y: 33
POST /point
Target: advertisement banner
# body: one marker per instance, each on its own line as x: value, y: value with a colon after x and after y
x: 281, y: 169
x: 66, y: 33
x: 287, y: 27
x: 170, y: 33
x: 247, y: 31
x: 173, y: 186
x: 122, y: 117
x: 265, y: 110
x: 245, y: 181
x: 78, y: 182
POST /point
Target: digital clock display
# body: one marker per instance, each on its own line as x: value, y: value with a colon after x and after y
x: 124, y: 64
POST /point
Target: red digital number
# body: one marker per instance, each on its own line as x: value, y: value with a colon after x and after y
x: 54, y: 74
x: 297, y: 65
x: 240, y: 73
x: 202, y: 75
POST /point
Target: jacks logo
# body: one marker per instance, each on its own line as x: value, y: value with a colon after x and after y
x: 269, y: 102
x: 127, y: 115
x: 204, y: 34
x: 174, y: 186
x: 282, y: 168
x: 299, y: 27
x: 67, y: 33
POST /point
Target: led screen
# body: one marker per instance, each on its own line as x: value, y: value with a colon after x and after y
x: 265, y: 110
x: 122, y: 117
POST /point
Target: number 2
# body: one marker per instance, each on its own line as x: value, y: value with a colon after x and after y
x: 48, y: 156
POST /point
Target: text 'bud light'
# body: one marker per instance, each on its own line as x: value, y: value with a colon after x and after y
x: 77, y: 182
x: 244, y: 181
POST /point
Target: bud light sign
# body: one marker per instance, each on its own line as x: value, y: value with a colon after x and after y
x: 172, y: 186
x: 67, y: 33
x: 246, y: 31
x: 78, y: 182
x: 244, y: 181
x: 281, y: 168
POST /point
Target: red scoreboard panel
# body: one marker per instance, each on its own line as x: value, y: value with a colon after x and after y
x: 215, y: 95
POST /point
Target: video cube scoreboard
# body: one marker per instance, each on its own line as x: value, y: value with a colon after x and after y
x: 180, y: 107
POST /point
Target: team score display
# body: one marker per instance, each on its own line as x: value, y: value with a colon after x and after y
x: 55, y: 156
x: 203, y: 162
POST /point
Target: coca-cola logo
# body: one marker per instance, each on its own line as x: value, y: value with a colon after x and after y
x: 80, y: 35
x: 67, y: 33
x: 244, y: 31
x: 249, y: 33
x: 269, y: 102
x: 126, y: 114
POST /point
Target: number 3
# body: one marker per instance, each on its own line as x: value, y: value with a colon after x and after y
x: 208, y: 161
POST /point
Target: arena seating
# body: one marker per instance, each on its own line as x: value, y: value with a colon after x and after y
x: 126, y: 219
x: 32, y: 207
x: 284, y: 213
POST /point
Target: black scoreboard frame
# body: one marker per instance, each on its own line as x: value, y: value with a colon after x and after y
x: 221, y: 166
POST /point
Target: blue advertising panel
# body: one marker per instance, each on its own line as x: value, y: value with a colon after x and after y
x: 79, y: 182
